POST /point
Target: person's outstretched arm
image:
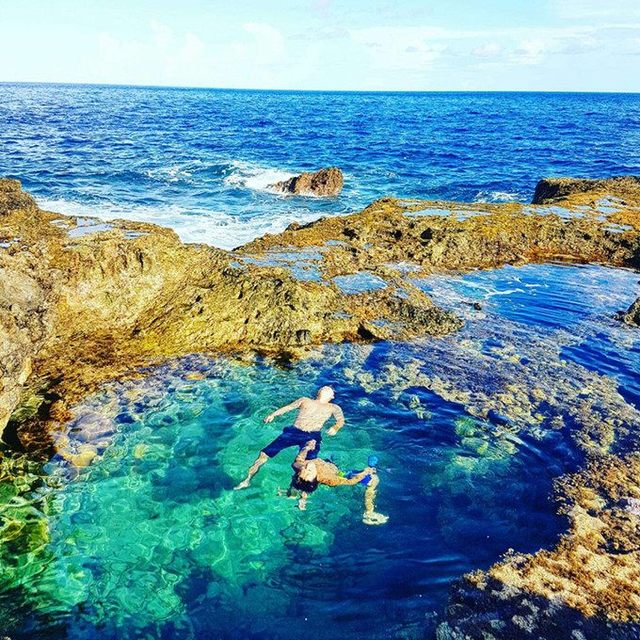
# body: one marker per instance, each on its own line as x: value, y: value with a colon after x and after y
x: 354, y: 479
x: 301, y: 458
x: 339, y: 418
x: 282, y: 410
x: 302, y: 502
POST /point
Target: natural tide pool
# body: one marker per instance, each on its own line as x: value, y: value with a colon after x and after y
x: 149, y: 541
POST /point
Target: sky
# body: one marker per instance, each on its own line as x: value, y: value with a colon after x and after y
x: 398, y: 45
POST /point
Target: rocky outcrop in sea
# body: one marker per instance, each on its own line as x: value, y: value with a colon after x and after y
x: 549, y: 190
x: 632, y: 314
x: 325, y: 182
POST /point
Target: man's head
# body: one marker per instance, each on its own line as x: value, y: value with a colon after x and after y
x: 309, y: 472
x: 306, y: 478
x: 325, y: 394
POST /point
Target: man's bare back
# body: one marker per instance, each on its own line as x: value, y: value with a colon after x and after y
x: 312, y: 414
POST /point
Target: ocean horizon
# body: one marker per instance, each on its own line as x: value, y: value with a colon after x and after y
x: 202, y: 161
x: 284, y: 90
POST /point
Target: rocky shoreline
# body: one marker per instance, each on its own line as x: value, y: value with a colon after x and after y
x: 83, y: 301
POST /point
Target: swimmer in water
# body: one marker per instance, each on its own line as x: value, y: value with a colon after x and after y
x: 311, y: 472
x: 312, y: 414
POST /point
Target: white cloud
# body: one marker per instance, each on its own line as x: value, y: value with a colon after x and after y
x: 164, y: 57
x: 254, y: 54
x: 266, y: 47
x: 576, y: 10
x: 402, y: 48
x: 488, y: 50
x: 162, y: 34
x: 530, y: 52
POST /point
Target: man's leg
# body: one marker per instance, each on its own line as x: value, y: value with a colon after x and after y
x: 283, y: 441
x: 370, y: 516
x: 253, y: 469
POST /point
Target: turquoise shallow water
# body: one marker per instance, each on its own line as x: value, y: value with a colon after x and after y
x: 149, y: 540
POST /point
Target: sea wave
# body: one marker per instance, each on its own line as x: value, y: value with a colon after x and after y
x: 247, y: 175
x: 215, y: 228
x: 174, y: 172
x: 496, y: 196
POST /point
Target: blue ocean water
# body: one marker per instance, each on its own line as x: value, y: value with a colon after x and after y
x: 201, y: 161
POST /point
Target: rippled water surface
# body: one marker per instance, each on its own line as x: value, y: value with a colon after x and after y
x: 201, y: 161
x: 150, y: 541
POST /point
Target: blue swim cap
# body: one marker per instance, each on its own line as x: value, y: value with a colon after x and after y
x: 372, y: 461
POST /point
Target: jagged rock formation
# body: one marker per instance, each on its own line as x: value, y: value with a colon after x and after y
x: 82, y: 301
x: 632, y: 315
x: 439, y: 236
x: 24, y: 298
x: 554, y: 189
x: 588, y: 586
x: 326, y: 182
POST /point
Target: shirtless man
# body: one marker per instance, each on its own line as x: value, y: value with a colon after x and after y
x: 312, y: 414
x: 310, y: 472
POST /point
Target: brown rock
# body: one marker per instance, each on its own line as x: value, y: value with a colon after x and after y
x: 81, y: 308
x: 472, y: 236
x: 76, y: 310
x: 632, y: 315
x: 326, y: 182
x: 553, y: 189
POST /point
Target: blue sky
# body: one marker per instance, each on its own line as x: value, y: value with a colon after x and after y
x: 556, y: 45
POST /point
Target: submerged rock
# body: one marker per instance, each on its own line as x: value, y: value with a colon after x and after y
x: 326, y: 182
x: 587, y: 586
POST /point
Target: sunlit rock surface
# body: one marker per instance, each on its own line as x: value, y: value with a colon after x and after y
x: 554, y: 189
x: 632, y: 315
x: 438, y: 236
x: 588, y: 586
x: 84, y: 302
x: 326, y: 182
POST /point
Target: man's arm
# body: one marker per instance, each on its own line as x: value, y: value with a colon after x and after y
x: 302, y: 502
x: 354, y: 479
x: 301, y: 458
x: 282, y: 410
x: 339, y: 418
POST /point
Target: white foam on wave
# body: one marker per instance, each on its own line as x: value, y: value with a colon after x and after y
x: 173, y: 173
x: 251, y: 176
x: 496, y: 196
x: 215, y: 228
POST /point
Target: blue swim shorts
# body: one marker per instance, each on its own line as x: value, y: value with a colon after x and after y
x: 294, y: 437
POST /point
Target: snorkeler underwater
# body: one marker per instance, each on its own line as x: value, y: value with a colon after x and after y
x: 320, y: 318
